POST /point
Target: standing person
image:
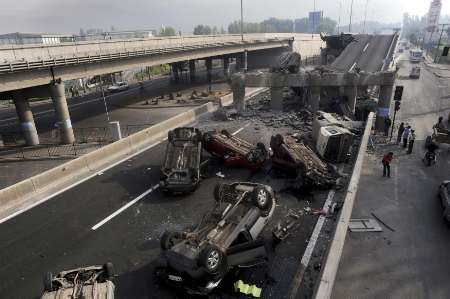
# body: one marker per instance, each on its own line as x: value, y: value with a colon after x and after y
x: 387, y: 125
x: 400, y: 132
x: 387, y: 159
x: 405, y: 135
x: 412, y: 137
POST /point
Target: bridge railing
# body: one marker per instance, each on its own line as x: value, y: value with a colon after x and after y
x: 16, y: 53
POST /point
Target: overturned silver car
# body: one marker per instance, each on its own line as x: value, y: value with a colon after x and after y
x: 197, y: 260
x: 94, y: 282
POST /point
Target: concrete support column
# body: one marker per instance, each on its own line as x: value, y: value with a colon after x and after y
x: 351, y: 92
x: 62, y: 112
x: 26, y: 119
x: 226, y: 64
x: 314, y: 98
x: 276, y: 98
x: 384, y: 105
x: 176, y: 75
x: 240, y: 61
x: 238, y: 88
x: 192, y: 70
x: 208, y: 63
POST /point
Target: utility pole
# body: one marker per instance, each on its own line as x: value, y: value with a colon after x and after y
x: 242, y: 37
x: 351, y: 14
x: 365, y: 17
x: 439, y: 42
x: 339, y: 19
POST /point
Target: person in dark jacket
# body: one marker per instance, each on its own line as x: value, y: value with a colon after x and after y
x: 400, y: 132
x: 387, y: 159
x: 387, y: 125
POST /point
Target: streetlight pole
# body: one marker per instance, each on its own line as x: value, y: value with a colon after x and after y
x: 242, y: 36
x: 351, y: 14
x: 339, y: 20
x: 439, y: 41
x: 365, y: 17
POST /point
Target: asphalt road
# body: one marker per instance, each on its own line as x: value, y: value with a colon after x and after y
x: 367, y: 53
x: 414, y: 260
x: 59, y: 233
x: 89, y: 111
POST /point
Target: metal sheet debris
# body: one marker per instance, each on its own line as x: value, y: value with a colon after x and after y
x: 364, y: 225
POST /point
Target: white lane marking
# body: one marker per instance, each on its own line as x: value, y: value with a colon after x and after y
x: 78, y: 183
x: 365, y: 48
x: 240, y: 130
x: 95, y: 227
x: 85, y: 102
x: 296, y: 281
x: 353, y: 66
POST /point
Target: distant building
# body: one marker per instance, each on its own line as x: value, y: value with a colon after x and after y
x: 315, y: 18
x: 119, y: 35
x: 434, y: 13
x: 19, y: 38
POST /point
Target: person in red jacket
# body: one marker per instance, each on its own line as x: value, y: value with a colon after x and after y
x: 387, y: 159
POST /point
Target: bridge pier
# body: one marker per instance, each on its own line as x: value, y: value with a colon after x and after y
x: 314, y: 98
x: 208, y: 63
x: 62, y: 111
x: 384, y: 105
x: 176, y: 75
x: 26, y: 118
x: 192, y: 70
x: 226, y: 64
x: 350, y: 92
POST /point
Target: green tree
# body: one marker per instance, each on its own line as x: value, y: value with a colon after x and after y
x: 301, y: 25
x: 202, y: 30
x: 167, y: 31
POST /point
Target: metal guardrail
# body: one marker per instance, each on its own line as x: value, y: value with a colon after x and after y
x: 30, y: 65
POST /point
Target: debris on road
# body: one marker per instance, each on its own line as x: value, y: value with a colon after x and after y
x: 220, y: 175
x: 382, y: 222
x: 286, y: 227
x: 247, y: 289
x: 364, y: 225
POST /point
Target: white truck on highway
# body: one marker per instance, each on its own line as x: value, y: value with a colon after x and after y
x: 415, y: 55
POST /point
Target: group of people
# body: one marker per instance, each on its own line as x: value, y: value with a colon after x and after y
x: 406, y: 135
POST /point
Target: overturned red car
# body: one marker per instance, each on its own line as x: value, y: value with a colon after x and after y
x: 234, y: 151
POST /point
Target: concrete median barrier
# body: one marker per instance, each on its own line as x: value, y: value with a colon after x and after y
x: 329, y: 271
x: 35, y: 190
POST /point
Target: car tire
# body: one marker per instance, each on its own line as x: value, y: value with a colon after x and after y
x: 226, y: 133
x: 109, y: 270
x: 212, y: 259
x: 168, y: 239
x: 218, y: 191
x: 48, y: 281
x: 262, y: 198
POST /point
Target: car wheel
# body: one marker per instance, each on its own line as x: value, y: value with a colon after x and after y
x: 218, y: 192
x: 212, y: 259
x: 262, y: 198
x: 109, y: 270
x: 48, y: 281
x: 226, y: 133
x: 169, y: 239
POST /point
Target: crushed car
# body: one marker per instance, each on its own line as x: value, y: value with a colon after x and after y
x: 444, y: 195
x: 235, y: 151
x: 297, y: 159
x: 197, y: 260
x: 180, y: 171
x: 93, y: 282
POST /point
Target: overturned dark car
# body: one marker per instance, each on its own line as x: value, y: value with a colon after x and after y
x: 93, y: 282
x: 197, y: 260
x: 297, y: 159
x: 234, y: 151
x: 180, y: 171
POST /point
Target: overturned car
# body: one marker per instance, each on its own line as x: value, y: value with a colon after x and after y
x: 234, y: 151
x: 180, y: 171
x: 94, y: 282
x: 197, y: 260
x: 299, y: 160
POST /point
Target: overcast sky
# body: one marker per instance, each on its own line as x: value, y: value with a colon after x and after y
x: 67, y: 16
